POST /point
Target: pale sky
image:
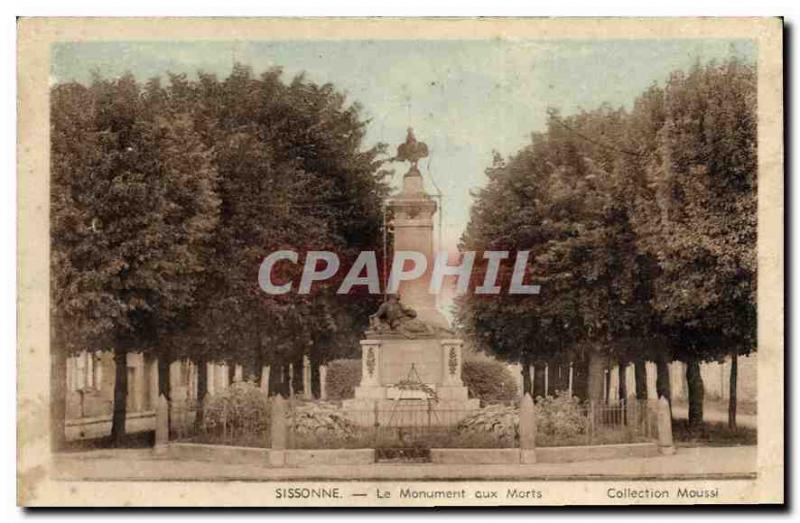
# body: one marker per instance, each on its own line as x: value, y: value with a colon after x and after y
x: 463, y: 98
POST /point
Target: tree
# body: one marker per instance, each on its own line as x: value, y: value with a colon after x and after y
x: 697, y: 215
x: 131, y: 215
x: 294, y: 175
x: 561, y: 199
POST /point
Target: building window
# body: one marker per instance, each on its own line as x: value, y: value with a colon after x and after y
x: 84, y: 372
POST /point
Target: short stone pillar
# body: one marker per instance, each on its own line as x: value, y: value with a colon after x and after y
x: 664, y: 427
x: 527, y: 430
x: 278, y: 431
x: 451, y: 356
x: 323, y: 382
x: 162, y: 424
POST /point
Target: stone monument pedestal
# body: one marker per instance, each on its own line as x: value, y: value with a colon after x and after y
x: 391, y: 370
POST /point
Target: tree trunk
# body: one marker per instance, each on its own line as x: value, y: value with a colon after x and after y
x: 623, y: 382
x: 596, y: 378
x: 526, y: 379
x: 275, y: 379
x: 732, y: 391
x: 58, y: 397
x: 662, y: 381
x: 580, y: 379
x: 120, y: 394
x: 202, y: 389
x: 316, y: 383
x: 538, y: 380
x: 640, y: 373
x: 297, y: 376
x: 694, y: 383
x: 258, y: 368
x: 164, y: 382
x: 285, y: 381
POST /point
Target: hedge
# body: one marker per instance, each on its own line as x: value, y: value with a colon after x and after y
x: 489, y: 380
x: 342, y: 379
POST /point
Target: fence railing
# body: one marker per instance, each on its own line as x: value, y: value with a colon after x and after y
x: 223, y: 426
x: 626, y: 422
x: 310, y: 425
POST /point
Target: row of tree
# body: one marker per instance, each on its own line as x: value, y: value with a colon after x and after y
x: 164, y: 201
x: 642, y: 230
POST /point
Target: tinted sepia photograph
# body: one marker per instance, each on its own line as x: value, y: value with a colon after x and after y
x: 400, y: 262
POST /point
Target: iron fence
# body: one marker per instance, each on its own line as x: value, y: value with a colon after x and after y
x: 414, y: 424
x: 627, y: 421
x: 408, y: 424
x: 224, y: 425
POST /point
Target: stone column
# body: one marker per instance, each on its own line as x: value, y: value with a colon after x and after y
x: 323, y: 382
x: 237, y: 373
x: 570, y: 379
x: 140, y: 387
x: 212, y: 377
x: 546, y: 380
x: 527, y: 431
x: 650, y: 369
x: 613, y: 385
x: 306, y: 377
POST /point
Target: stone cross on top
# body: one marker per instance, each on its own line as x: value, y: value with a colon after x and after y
x: 411, y: 150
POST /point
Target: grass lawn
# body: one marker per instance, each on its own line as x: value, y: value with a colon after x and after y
x: 711, y: 435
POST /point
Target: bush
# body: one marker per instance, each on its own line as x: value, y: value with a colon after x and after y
x: 321, y: 421
x: 498, y: 423
x: 489, y: 380
x: 241, y: 408
x: 342, y: 379
x: 560, y: 420
x: 561, y: 416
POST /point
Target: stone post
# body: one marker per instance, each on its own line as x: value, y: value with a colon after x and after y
x: 527, y: 431
x: 664, y: 425
x: 162, y: 425
x: 323, y: 382
x: 278, y: 431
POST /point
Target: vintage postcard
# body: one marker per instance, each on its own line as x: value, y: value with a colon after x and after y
x: 400, y: 262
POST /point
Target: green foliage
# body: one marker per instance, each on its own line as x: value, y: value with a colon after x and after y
x: 561, y: 417
x: 489, y: 380
x: 133, y: 211
x: 242, y: 408
x: 342, y: 378
x: 641, y: 228
x: 498, y: 423
x: 317, y: 420
x: 697, y: 207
